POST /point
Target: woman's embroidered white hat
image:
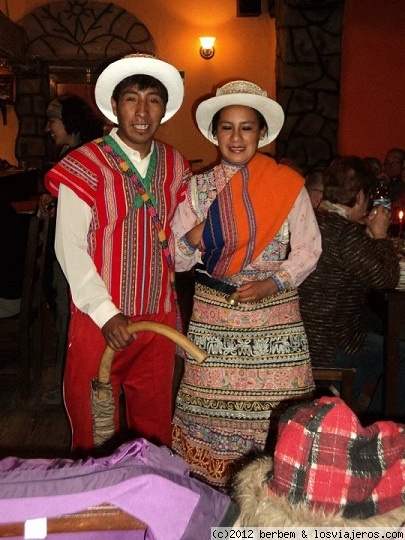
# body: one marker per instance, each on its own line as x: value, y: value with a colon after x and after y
x: 139, y: 64
x: 241, y: 93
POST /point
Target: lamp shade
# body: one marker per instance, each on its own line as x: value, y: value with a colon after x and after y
x: 207, y: 42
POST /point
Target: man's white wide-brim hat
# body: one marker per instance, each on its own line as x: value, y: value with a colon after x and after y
x: 241, y: 93
x: 139, y: 64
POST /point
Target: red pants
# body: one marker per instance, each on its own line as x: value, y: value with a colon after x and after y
x: 144, y: 370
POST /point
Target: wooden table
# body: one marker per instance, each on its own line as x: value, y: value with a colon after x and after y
x: 395, y: 313
x: 18, y: 184
x: 21, y: 188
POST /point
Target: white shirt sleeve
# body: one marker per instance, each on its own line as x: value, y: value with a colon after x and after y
x: 88, y: 290
x: 305, y: 240
x: 183, y: 221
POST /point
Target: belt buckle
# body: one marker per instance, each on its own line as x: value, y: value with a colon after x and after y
x: 233, y: 299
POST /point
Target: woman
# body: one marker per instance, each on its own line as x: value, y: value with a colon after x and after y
x: 358, y: 257
x: 71, y: 122
x: 257, y: 239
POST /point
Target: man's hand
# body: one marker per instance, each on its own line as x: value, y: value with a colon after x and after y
x: 115, y: 332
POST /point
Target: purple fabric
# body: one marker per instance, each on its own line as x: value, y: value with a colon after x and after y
x: 145, y: 481
x: 93, y: 535
x: 139, y: 449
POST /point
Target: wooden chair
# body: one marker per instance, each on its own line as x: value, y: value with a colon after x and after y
x: 21, y: 334
x: 277, y: 413
x: 325, y: 376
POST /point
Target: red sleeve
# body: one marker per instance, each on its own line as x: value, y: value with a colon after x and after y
x: 79, y: 170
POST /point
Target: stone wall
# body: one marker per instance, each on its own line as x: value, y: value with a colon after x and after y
x: 307, y: 70
x: 32, y: 97
x: 308, y: 79
x: 79, y: 38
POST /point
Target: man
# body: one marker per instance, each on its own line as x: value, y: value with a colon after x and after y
x: 314, y: 186
x: 113, y: 253
x: 393, y: 164
x: 355, y: 259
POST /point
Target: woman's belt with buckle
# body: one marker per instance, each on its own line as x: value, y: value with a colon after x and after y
x: 202, y: 277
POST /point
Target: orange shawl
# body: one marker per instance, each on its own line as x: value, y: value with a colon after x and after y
x: 247, y: 214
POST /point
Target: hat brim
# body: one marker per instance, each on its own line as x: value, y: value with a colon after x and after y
x: 270, y: 109
x: 126, y: 67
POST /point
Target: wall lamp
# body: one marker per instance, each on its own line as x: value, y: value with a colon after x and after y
x: 207, y: 47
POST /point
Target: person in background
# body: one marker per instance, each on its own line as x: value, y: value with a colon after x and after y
x: 393, y: 163
x: 399, y: 204
x: 375, y: 169
x: 375, y: 166
x: 12, y: 260
x: 116, y: 199
x: 314, y: 186
x: 291, y: 163
x: 357, y: 256
x: 255, y: 240
x: 70, y: 122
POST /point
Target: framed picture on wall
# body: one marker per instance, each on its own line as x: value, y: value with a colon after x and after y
x: 7, y: 88
x: 248, y: 8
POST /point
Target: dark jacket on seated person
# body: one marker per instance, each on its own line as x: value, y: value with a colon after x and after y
x: 333, y: 298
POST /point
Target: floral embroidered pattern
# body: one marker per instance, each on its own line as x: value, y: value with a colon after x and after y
x: 257, y: 357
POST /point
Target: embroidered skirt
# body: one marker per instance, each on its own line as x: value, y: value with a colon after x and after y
x: 257, y: 356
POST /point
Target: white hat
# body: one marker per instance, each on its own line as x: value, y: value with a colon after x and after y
x: 241, y: 93
x: 139, y: 64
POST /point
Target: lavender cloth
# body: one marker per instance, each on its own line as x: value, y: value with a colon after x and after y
x: 139, y: 534
x: 142, y: 479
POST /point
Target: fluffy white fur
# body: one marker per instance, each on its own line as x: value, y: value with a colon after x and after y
x: 258, y: 509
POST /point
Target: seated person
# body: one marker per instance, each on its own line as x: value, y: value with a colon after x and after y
x: 314, y: 186
x: 12, y: 248
x: 393, y: 164
x: 399, y: 204
x: 375, y: 166
x: 357, y: 256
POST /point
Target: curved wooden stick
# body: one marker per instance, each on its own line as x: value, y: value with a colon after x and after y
x: 150, y: 326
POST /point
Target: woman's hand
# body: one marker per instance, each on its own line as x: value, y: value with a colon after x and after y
x: 256, y: 290
x: 47, y: 204
x: 378, y: 221
x: 195, y: 234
